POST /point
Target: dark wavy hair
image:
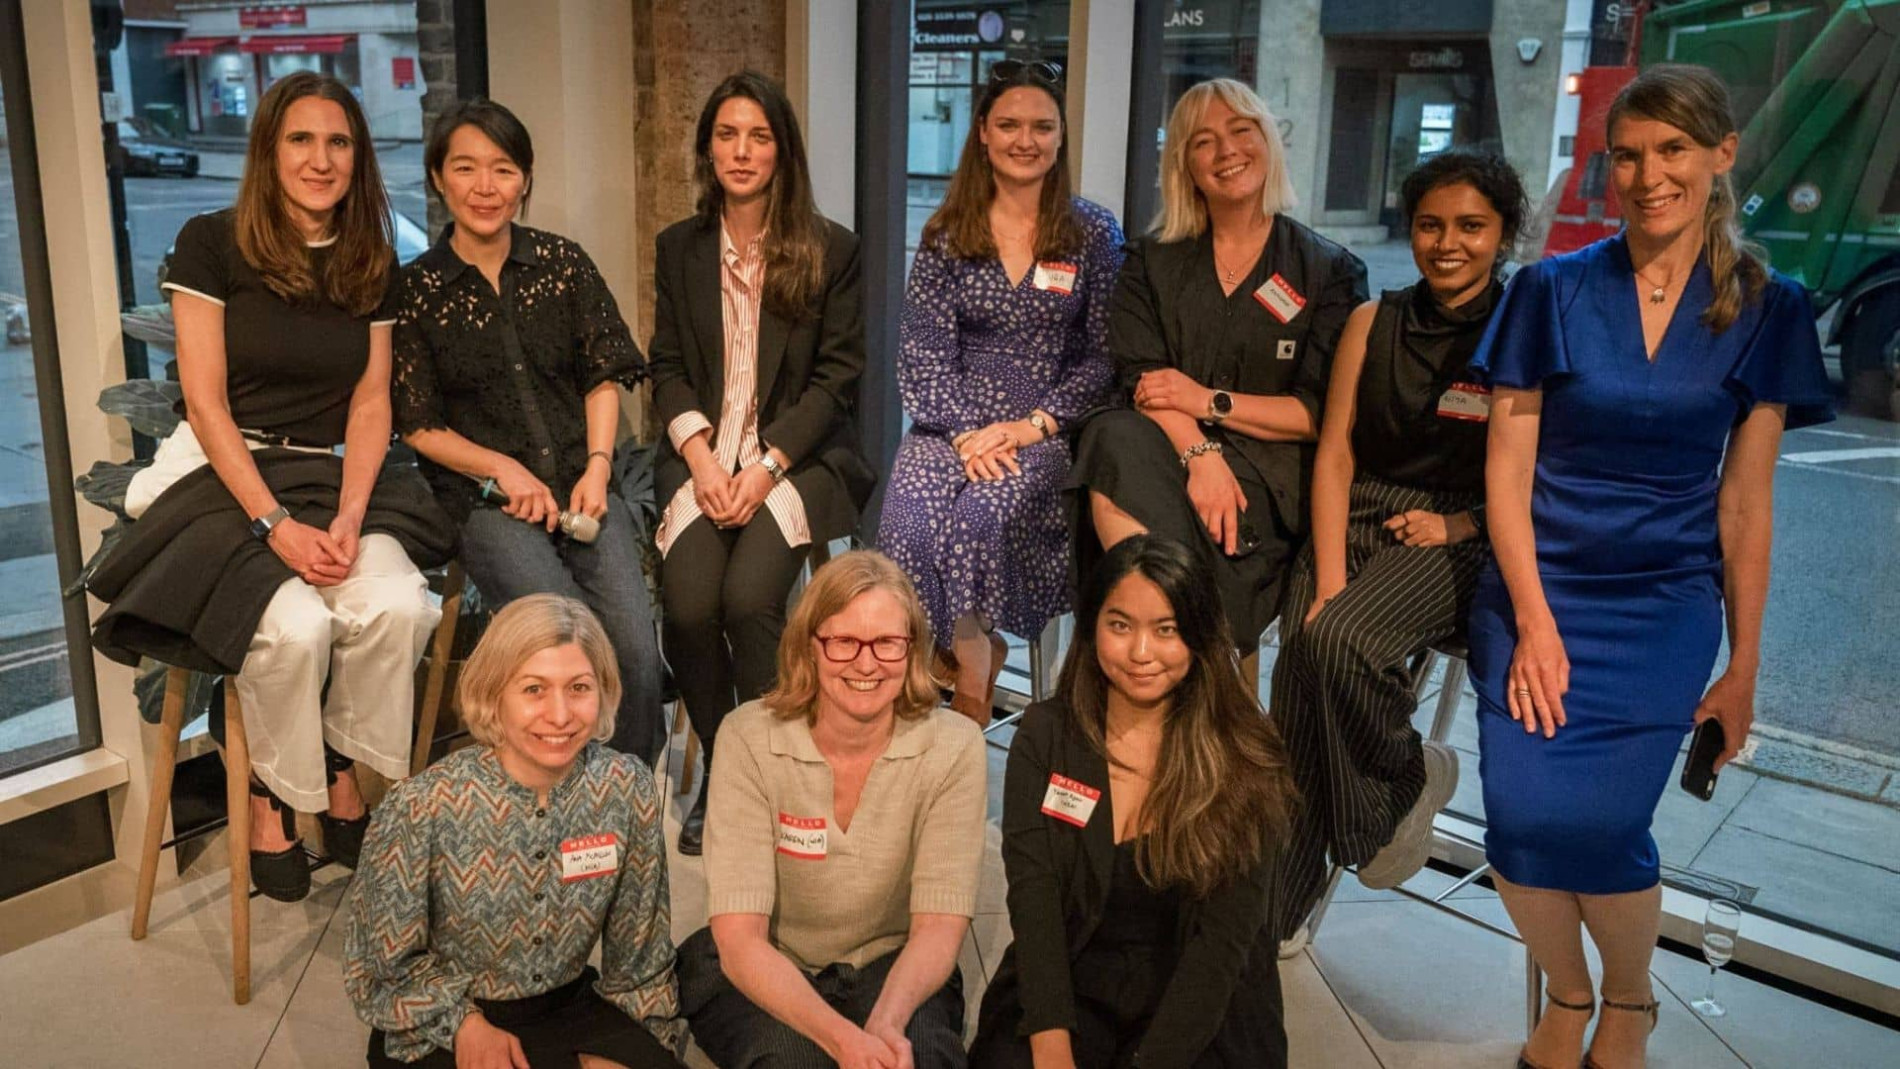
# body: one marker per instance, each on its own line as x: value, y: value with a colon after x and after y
x: 962, y: 222
x: 1488, y: 173
x: 496, y: 123
x: 794, y: 245
x: 270, y: 242
x: 1222, y: 796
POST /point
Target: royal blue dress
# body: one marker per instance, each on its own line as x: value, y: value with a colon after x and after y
x: 1623, y: 505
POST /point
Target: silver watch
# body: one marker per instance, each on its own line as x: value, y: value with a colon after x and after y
x: 772, y: 467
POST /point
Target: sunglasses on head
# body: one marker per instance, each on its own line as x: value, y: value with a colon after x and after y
x: 1038, y: 70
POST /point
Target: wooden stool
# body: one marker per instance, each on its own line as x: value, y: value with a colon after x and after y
x: 237, y: 801
x: 434, y: 686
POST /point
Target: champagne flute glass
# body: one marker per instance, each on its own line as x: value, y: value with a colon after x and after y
x: 1719, y: 926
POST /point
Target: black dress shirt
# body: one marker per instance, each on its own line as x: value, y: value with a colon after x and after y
x: 1170, y: 311
x: 509, y: 371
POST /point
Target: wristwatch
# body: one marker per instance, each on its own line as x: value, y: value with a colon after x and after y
x: 261, y: 526
x: 772, y: 467
x: 1204, y: 446
x: 1042, y: 425
x: 1220, y: 406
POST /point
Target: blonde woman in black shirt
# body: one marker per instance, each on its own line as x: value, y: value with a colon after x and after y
x: 510, y: 355
x: 283, y: 353
x: 1398, y: 525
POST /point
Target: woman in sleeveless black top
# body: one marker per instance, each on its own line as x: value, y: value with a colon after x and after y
x: 1398, y: 538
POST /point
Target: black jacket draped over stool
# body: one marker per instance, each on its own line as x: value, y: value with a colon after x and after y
x: 189, y: 583
x: 1222, y: 1003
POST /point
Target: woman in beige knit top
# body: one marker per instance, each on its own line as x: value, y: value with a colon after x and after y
x: 842, y: 845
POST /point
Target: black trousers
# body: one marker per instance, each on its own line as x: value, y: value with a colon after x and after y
x: 724, y: 593
x: 1342, y: 687
x: 555, y: 1028
x: 736, y: 1034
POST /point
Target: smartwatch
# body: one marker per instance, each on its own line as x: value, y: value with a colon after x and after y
x: 1220, y: 406
x: 261, y: 526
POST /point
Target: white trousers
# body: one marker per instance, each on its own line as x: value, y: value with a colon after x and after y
x: 364, y: 636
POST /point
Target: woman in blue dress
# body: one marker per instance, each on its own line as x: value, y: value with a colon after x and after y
x: 1003, y: 344
x: 1641, y: 389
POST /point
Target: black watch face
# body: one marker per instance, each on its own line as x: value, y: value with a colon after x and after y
x: 1223, y: 403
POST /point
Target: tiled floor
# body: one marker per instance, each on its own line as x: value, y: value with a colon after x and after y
x: 1389, y: 983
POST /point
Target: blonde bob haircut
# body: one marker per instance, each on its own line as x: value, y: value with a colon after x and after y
x: 1183, y: 209
x: 523, y: 628
x: 833, y: 587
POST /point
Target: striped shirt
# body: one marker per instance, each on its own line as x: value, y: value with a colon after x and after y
x: 735, y: 440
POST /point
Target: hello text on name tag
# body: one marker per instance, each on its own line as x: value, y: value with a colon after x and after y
x: 801, y: 837
x: 1278, y: 296
x: 590, y: 856
x: 1070, y: 800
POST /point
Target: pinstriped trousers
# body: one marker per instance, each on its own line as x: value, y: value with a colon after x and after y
x: 1342, y: 686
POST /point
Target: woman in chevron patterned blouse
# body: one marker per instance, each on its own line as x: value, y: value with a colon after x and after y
x: 486, y: 881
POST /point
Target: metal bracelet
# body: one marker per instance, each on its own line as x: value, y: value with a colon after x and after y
x: 1202, y: 447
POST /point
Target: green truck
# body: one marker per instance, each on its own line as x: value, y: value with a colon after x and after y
x: 1816, y: 89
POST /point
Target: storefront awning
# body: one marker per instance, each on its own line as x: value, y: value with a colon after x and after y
x: 197, y: 46
x: 282, y: 44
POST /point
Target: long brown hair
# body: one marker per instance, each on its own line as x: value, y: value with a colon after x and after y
x: 272, y: 244
x: 962, y: 221
x: 1222, y: 795
x: 833, y: 587
x: 1692, y: 99
x: 794, y: 246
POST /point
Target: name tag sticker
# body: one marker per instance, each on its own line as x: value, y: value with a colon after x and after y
x: 801, y: 837
x: 1278, y: 296
x: 1070, y: 800
x: 1286, y: 349
x: 1056, y: 278
x: 590, y: 856
x: 1467, y: 401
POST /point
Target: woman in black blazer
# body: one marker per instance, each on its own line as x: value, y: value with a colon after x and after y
x: 1143, y: 808
x: 758, y: 341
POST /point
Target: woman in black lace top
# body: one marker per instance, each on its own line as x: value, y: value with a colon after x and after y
x: 509, y: 350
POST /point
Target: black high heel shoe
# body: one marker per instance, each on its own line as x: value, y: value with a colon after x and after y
x: 1648, y: 1007
x: 280, y: 874
x: 1586, y: 1008
x: 342, y: 839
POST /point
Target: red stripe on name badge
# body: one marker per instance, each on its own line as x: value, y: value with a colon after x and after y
x: 1069, y: 800
x: 802, y: 837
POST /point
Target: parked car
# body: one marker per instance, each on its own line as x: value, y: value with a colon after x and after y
x: 143, y: 154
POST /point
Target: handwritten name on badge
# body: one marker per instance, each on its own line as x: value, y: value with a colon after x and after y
x: 1070, y: 800
x: 801, y: 837
x: 1056, y: 278
x: 1467, y: 401
x: 590, y: 856
x: 1278, y: 296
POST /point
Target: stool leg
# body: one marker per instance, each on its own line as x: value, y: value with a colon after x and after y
x: 171, y: 723
x: 1448, y: 695
x: 453, y: 585
x: 692, y: 747
x: 237, y: 800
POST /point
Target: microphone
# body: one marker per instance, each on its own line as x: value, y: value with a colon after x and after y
x: 579, y: 526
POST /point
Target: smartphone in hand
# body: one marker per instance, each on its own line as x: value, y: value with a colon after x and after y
x: 1707, y: 744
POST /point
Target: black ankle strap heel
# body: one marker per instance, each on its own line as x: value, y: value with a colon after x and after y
x: 280, y: 874
x: 1587, y: 1007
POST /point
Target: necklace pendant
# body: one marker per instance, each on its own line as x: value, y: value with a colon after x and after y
x: 1656, y: 296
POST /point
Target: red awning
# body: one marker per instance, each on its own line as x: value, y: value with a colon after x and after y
x: 283, y: 43
x: 197, y: 46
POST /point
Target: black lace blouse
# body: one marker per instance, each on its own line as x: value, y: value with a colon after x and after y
x: 509, y: 371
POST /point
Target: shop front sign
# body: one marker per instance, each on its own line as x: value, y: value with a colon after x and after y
x: 957, y: 28
x: 272, y: 17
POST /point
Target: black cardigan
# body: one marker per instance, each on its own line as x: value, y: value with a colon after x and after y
x: 807, y: 380
x: 1224, y: 996
x: 189, y: 583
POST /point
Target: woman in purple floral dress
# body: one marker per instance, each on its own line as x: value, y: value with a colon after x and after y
x: 1003, y: 345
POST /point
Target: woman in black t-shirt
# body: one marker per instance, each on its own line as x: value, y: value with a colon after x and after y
x: 284, y: 355
x: 509, y: 357
x: 1398, y: 525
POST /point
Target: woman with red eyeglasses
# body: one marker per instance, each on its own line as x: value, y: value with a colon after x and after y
x: 842, y: 844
